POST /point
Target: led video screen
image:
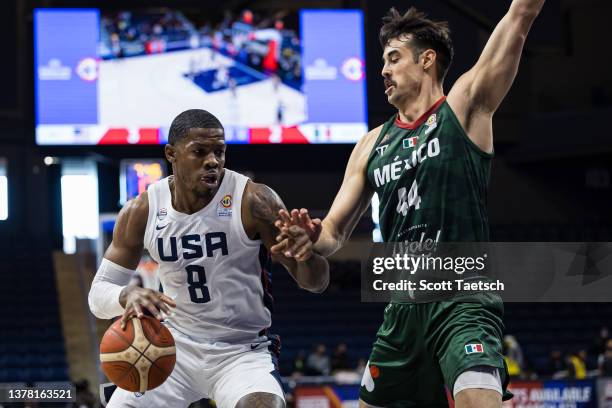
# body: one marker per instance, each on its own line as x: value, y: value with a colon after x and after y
x: 136, y: 175
x: 120, y: 77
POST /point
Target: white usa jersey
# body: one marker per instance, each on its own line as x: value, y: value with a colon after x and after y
x: 208, y: 265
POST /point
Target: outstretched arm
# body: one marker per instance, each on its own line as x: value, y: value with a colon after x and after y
x: 478, y: 93
x: 259, y: 213
x: 352, y: 200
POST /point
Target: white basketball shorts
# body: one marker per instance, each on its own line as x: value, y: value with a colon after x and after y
x: 224, y: 372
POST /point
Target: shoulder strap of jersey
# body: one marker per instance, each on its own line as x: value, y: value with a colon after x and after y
x: 164, y: 195
x: 154, y: 195
x: 380, y: 137
x: 239, y: 181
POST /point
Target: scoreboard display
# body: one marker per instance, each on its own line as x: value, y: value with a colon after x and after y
x: 120, y: 77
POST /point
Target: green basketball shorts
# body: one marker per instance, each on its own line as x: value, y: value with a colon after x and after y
x: 421, y: 347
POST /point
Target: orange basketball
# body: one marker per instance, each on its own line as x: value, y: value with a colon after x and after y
x: 140, y: 357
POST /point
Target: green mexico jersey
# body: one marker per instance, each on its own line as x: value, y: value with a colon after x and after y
x: 431, y: 180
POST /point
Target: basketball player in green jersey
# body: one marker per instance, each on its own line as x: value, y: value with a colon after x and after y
x: 430, y: 166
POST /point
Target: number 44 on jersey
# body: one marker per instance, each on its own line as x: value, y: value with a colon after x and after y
x: 408, y: 200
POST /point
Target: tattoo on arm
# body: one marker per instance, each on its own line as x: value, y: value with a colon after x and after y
x: 265, y: 204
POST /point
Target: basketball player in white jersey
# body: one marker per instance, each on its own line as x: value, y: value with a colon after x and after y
x: 209, y: 228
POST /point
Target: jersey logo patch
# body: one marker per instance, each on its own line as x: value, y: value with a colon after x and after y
x: 381, y: 149
x: 474, y: 348
x: 161, y: 214
x: 160, y: 227
x: 367, y: 380
x: 226, y: 202
x: 431, y: 123
x: 410, y: 142
x: 224, y: 209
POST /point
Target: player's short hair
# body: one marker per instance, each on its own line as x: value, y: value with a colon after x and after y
x: 190, y: 119
x: 425, y: 34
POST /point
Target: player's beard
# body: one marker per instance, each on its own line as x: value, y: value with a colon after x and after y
x: 193, y: 185
x: 206, y: 191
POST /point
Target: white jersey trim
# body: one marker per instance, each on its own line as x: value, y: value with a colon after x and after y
x: 148, y: 236
x: 163, y: 188
x: 179, y: 216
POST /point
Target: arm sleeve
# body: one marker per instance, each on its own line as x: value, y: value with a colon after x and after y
x: 105, y: 289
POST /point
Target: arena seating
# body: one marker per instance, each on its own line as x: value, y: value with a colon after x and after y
x: 303, y: 319
x: 568, y: 327
x: 31, y: 345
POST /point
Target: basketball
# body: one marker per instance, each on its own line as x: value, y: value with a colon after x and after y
x: 140, y: 357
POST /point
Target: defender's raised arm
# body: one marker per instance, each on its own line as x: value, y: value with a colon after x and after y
x: 480, y: 91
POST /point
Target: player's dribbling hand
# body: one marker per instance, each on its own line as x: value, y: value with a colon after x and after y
x: 298, y: 233
x: 136, y: 299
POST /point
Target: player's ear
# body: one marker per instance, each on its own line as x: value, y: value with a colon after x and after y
x: 170, y: 152
x: 429, y: 58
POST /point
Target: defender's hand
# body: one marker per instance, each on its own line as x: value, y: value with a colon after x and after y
x: 296, y: 244
x: 135, y: 299
x: 301, y: 218
x: 298, y: 232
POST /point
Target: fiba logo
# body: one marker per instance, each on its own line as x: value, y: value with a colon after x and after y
x: 352, y: 69
x: 226, y: 202
x: 87, y: 69
x: 224, y: 207
x: 431, y: 120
